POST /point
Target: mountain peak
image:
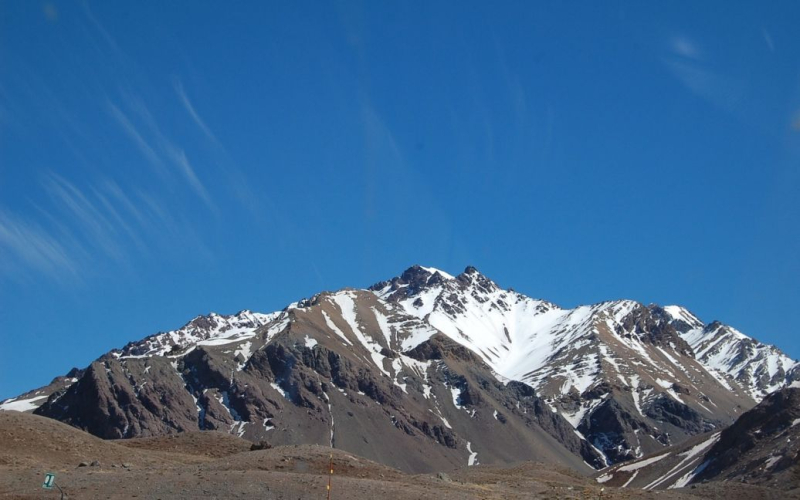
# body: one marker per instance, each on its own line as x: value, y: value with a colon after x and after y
x: 472, y: 276
x: 429, y: 270
x: 414, y: 279
x: 471, y: 270
x: 415, y: 274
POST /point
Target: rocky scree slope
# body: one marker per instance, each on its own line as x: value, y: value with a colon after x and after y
x: 429, y: 371
x: 761, y: 448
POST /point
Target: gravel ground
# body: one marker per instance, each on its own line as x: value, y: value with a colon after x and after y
x: 215, y: 465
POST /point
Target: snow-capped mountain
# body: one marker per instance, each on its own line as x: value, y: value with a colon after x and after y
x: 623, y: 374
x: 447, y: 368
x: 213, y: 329
x: 759, y: 368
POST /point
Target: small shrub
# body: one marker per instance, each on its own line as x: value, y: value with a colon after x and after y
x: 261, y: 445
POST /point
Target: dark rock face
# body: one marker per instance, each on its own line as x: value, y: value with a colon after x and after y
x: 416, y: 278
x: 651, y: 326
x: 111, y: 402
x: 482, y: 284
x: 608, y: 427
x: 411, y: 282
x: 557, y: 426
x: 440, y: 347
x: 666, y: 409
x: 762, y: 446
x: 681, y: 325
x: 793, y: 375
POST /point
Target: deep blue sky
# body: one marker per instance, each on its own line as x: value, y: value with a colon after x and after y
x: 158, y: 161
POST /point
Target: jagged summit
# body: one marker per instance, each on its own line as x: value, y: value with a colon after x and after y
x: 414, y: 279
x: 450, y: 362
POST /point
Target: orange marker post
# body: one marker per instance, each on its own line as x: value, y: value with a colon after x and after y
x: 330, y: 476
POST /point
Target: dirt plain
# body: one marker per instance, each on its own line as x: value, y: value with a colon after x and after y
x: 218, y: 465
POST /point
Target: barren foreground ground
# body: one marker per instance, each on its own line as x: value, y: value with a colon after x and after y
x: 215, y: 465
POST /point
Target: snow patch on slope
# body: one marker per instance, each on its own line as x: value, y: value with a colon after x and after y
x: 643, y: 463
x: 335, y: 329
x: 347, y: 307
x: 22, y: 405
x: 473, y: 455
x: 688, y: 458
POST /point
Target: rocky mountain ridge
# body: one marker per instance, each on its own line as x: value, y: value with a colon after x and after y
x: 454, y: 368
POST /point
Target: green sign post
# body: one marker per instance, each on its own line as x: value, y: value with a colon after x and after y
x: 49, y: 481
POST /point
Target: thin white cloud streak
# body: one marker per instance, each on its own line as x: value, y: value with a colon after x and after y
x: 174, y: 154
x: 768, y: 40
x: 102, y: 221
x: 92, y: 222
x: 722, y: 91
x: 112, y: 217
x: 685, y: 47
x: 119, y: 221
x: 158, y: 212
x: 385, y: 164
x: 130, y: 130
x: 178, y: 157
x: 236, y: 179
x: 118, y: 53
x: 114, y: 190
x: 163, y: 151
x: 187, y: 104
x: 27, y: 245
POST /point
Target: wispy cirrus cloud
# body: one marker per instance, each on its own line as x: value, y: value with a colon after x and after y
x: 91, y: 211
x: 685, y: 47
x: 187, y: 104
x: 171, y: 152
x: 179, y: 158
x: 768, y: 39
x: 87, y: 218
x: 84, y: 225
x: 27, y: 245
x: 719, y: 89
x: 160, y: 151
x: 116, y: 215
x: 134, y: 135
x: 688, y: 65
x: 231, y: 174
x: 125, y: 203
